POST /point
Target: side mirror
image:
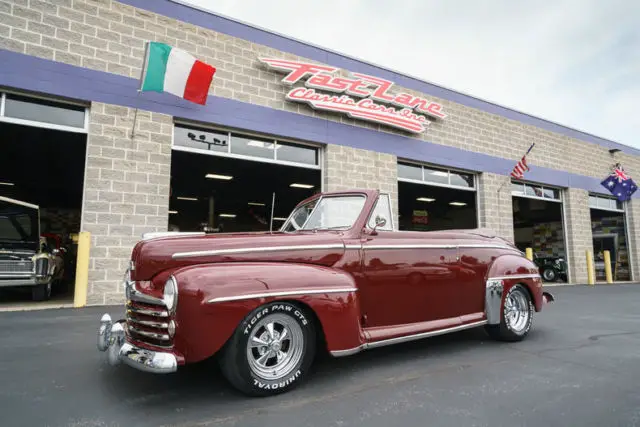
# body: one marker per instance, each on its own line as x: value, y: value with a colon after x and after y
x: 380, y: 222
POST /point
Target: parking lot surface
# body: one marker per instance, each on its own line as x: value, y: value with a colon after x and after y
x: 580, y: 366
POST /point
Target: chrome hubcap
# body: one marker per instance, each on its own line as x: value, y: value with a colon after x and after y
x: 275, y: 347
x: 516, y: 311
x: 548, y: 274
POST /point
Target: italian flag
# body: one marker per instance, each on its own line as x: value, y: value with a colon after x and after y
x: 167, y: 69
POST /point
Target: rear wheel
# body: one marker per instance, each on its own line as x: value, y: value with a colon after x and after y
x: 271, y: 350
x: 517, y: 316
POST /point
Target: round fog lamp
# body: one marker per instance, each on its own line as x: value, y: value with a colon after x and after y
x: 170, y: 295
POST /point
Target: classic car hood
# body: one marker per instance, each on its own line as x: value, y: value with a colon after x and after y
x: 323, y: 248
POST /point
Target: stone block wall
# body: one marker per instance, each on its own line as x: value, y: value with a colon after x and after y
x: 633, y: 222
x: 494, y: 203
x: 579, y: 235
x: 347, y: 168
x: 126, y: 191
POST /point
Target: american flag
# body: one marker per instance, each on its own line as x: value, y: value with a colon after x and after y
x: 522, y: 166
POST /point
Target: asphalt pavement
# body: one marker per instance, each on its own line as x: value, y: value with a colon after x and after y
x: 580, y: 366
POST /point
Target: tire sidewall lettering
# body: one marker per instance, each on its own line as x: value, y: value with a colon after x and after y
x: 278, y: 384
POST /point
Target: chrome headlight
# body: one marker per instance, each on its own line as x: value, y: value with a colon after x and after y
x: 170, y: 294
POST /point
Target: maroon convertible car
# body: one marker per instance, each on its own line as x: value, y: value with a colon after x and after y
x: 337, y: 277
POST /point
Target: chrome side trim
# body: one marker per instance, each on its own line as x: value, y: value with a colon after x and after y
x: 349, y: 351
x: 281, y: 294
x: 358, y: 247
x: 428, y: 246
x: 256, y: 249
x: 407, y: 338
x: 410, y: 246
x: 516, y: 276
x: 160, y: 234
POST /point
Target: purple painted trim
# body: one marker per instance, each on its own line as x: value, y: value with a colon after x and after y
x: 246, y: 32
x: 40, y: 75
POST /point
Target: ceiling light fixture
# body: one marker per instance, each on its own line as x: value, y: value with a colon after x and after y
x: 9, y: 184
x: 439, y: 173
x: 227, y: 215
x: 173, y: 212
x: 216, y: 176
x: 256, y: 204
x: 425, y: 199
x: 295, y: 185
x: 458, y: 204
x: 188, y: 198
x: 276, y: 218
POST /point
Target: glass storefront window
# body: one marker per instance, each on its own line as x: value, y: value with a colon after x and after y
x: 436, y: 176
x: 252, y: 146
x: 296, y: 153
x: 461, y: 179
x: 409, y: 171
x: 38, y: 110
x: 201, y: 139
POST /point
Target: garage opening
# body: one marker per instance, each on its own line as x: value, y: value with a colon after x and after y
x: 538, y: 224
x: 42, y: 165
x: 226, y: 181
x: 608, y: 226
x: 431, y: 199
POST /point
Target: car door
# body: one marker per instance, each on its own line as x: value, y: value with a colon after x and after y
x: 407, y: 280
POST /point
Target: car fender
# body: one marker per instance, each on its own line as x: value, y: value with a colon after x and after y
x: 214, y: 298
x: 505, y: 272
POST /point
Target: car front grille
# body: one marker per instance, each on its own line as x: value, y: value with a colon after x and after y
x: 18, y: 267
x: 148, y: 323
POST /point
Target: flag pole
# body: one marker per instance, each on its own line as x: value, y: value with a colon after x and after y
x: 528, y: 151
x: 142, y: 73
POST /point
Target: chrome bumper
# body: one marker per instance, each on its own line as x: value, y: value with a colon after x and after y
x: 112, y: 339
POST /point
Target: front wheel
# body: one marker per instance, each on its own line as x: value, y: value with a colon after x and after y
x: 41, y: 292
x: 549, y: 274
x: 517, y: 316
x: 271, y: 351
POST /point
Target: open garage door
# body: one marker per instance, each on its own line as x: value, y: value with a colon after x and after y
x: 432, y: 199
x: 42, y: 164
x: 225, y: 181
x: 609, y: 229
x: 538, y: 224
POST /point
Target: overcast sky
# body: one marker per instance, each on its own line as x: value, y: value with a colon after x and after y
x: 575, y: 62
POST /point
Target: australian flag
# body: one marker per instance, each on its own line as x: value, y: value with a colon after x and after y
x: 620, y: 184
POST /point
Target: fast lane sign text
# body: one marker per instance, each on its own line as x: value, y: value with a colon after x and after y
x: 369, y: 89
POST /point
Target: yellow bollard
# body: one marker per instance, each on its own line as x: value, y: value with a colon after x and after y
x: 607, y: 266
x: 590, y: 271
x: 529, y: 254
x: 82, y: 270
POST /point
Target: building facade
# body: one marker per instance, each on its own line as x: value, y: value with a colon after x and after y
x: 412, y: 139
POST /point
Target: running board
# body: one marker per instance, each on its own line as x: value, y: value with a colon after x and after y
x: 406, y: 338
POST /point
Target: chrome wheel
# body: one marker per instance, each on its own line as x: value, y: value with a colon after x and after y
x: 516, y: 311
x: 275, y: 346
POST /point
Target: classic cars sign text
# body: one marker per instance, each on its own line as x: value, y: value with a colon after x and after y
x: 361, y: 96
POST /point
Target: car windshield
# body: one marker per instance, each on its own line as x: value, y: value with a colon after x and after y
x: 17, y: 223
x: 334, y: 212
